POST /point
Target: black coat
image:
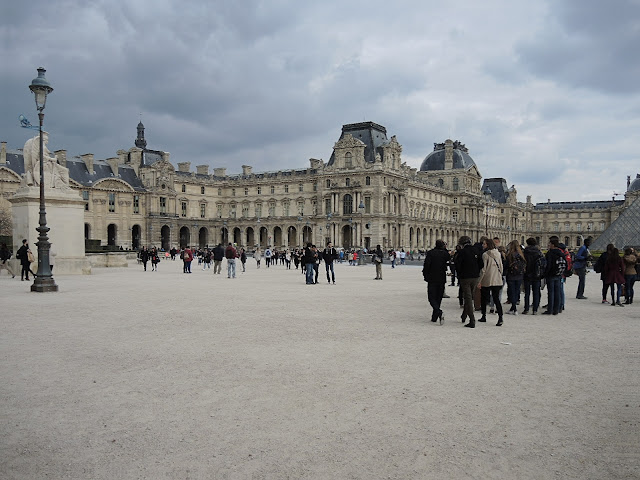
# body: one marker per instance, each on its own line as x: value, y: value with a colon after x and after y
x: 435, y: 266
x: 468, y: 262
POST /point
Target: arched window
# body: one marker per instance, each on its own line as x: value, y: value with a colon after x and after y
x: 367, y: 181
x: 440, y: 182
x: 348, y: 160
x: 347, y: 182
x: 347, y: 204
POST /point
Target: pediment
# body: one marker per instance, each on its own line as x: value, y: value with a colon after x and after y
x: 349, y: 141
x: 113, y: 185
x: 8, y: 175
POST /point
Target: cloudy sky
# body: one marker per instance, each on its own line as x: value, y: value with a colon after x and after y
x: 545, y: 94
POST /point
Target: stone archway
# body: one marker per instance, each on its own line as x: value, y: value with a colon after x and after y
x: 112, y: 234
x: 185, y: 237
x: 237, y: 236
x: 250, y: 237
x: 203, y: 237
x: 165, y: 237
x: 135, y: 237
x: 347, y: 240
x: 277, y: 237
x: 292, y: 237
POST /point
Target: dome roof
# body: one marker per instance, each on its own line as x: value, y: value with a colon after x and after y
x: 435, y: 160
x: 635, y: 185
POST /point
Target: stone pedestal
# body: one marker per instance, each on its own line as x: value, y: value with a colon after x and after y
x: 65, y: 218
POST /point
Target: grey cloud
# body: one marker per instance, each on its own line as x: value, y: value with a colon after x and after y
x: 590, y: 44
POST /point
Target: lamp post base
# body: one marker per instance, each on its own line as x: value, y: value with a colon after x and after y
x: 44, y: 285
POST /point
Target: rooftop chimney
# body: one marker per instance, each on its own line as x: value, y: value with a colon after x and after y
x: 3, y: 153
x: 246, y: 170
x: 113, y: 163
x: 202, y: 169
x: 220, y: 172
x: 87, y: 158
x: 448, y: 154
x: 184, y: 166
x: 61, y: 155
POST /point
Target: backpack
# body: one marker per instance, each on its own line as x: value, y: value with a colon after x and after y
x: 560, y: 266
x: 569, y: 269
x: 539, y: 267
x: 517, y: 265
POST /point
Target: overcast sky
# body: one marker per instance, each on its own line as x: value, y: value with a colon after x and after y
x: 544, y: 93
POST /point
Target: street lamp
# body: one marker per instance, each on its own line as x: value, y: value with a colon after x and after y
x: 487, y: 197
x: 361, y: 209
x: 44, y: 279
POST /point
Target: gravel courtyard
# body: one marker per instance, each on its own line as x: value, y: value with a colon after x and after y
x: 126, y: 374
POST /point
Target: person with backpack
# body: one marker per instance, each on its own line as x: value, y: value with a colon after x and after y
x: 533, y: 274
x: 556, y: 265
x: 580, y: 267
x: 516, y: 266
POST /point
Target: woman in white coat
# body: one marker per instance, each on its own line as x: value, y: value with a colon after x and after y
x: 491, y: 279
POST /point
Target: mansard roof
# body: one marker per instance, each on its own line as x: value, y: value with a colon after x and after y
x: 500, y: 192
x: 371, y: 134
x: 15, y: 161
x: 624, y: 231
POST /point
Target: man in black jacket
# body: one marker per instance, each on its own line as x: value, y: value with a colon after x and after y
x: 329, y: 254
x: 468, y: 265
x: 434, y: 272
x: 218, y: 255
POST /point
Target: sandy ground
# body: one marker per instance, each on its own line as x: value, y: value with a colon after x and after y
x: 127, y: 374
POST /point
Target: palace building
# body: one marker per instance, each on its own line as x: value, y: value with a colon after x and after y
x: 363, y: 196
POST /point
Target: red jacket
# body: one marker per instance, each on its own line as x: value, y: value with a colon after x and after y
x: 230, y: 252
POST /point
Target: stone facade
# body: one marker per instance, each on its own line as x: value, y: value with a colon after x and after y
x: 363, y: 196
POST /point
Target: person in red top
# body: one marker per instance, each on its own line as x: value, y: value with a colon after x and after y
x: 231, y: 254
x: 187, y: 257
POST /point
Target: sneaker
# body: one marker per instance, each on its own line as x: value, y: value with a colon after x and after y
x: 582, y: 298
x: 524, y: 312
x: 604, y: 300
x: 446, y: 296
x: 618, y: 304
x: 535, y: 312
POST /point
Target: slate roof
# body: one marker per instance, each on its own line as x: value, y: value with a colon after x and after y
x: 499, y: 189
x: 78, y: 171
x: 435, y: 160
x: 371, y: 134
x: 624, y: 231
x: 635, y: 185
x: 604, y: 204
x: 149, y: 157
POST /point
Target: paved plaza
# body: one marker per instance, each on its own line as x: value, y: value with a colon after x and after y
x: 126, y: 374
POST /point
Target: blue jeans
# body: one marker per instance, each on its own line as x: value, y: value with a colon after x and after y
x: 582, y: 275
x: 513, y: 293
x: 329, y: 266
x: 629, y: 281
x: 231, y: 267
x: 534, y: 287
x: 309, y: 272
x: 554, y: 292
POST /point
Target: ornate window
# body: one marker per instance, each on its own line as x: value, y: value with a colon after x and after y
x: 579, y: 227
x: 273, y: 189
x: 315, y: 186
x: 300, y: 207
x: 112, y: 202
x: 301, y: 187
x: 455, y: 200
x: 456, y: 184
x: 347, y: 182
x: 246, y: 191
x: 286, y: 188
x: 367, y: 180
x: 163, y: 204
x: 258, y: 210
x: 314, y: 207
x: 183, y: 211
x: 285, y: 207
x: 347, y: 204
x: 184, y: 188
x: 219, y: 192
x: 327, y: 205
x: 245, y: 210
x: 454, y: 216
x: 259, y: 190
x: 272, y: 209
x: 201, y: 190
x: 328, y: 183
x: 203, y: 210
x: 348, y: 161
x: 567, y: 227
x: 219, y: 210
x: 136, y: 204
x: 367, y: 204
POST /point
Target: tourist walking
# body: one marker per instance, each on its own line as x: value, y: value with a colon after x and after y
x: 378, y: 258
x: 329, y: 254
x: 434, y: 271
x: 630, y: 264
x: 206, y: 259
x: 258, y: 256
x: 243, y: 259
x: 599, y: 268
x: 580, y: 267
x: 218, y: 255
x: 144, y: 257
x: 267, y: 257
x: 536, y: 265
x: 187, y: 258
x: 309, y: 259
x: 614, y: 275
x: 490, y: 279
x: 231, y: 254
x: 468, y: 265
x: 155, y: 259
x: 556, y: 265
x: 25, y: 256
x: 516, y: 266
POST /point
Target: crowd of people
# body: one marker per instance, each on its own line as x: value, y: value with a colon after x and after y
x: 484, y: 268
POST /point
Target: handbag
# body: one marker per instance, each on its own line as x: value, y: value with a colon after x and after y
x: 30, y: 256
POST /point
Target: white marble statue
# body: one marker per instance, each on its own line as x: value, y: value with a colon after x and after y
x: 55, y: 175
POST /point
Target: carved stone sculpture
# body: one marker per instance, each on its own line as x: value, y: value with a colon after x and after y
x: 55, y: 175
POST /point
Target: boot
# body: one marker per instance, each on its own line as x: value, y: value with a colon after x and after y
x: 482, y: 319
x: 499, y: 324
